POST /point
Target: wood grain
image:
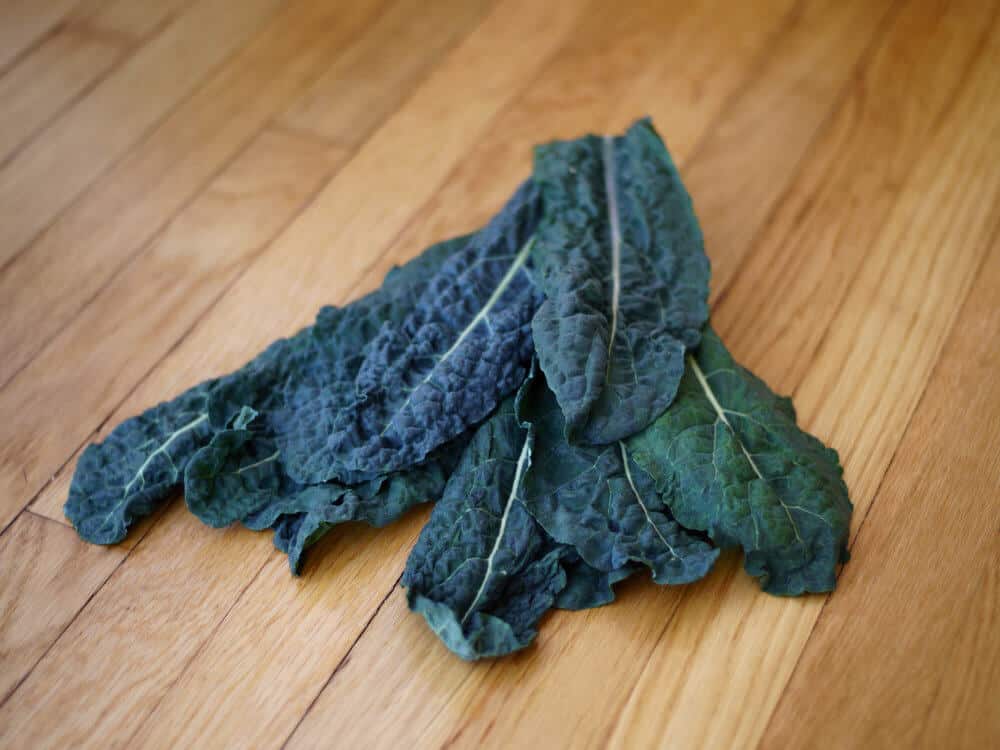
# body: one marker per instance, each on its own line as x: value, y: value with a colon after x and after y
x: 47, y: 80
x: 793, y: 92
x: 842, y: 161
x: 879, y: 347
x: 368, y: 82
x: 908, y: 646
x: 166, y: 170
x: 61, y: 678
x: 45, y: 177
x: 48, y: 575
x: 25, y: 23
x: 127, y: 19
x: 847, y: 188
x: 208, y: 135
x: 466, y: 708
x: 109, y: 669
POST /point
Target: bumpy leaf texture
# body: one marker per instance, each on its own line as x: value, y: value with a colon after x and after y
x: 622, y: 265
x: 483, y: 571
x: 143, y: 460
x: 303, y: 515
x: 599, y: 500
x: 740, y: 469
x: 463, y: 346
x: 140, y: 463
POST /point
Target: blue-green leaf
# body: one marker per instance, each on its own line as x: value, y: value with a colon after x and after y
x: 586, y: 586
x: 144, y: 459
x: 622, y: 265
x: 137, y: 467
x: 738, y: 467
x: 598, y: 500
x: 318, y: 508
x: 483, y: 572
x: 233, y: 476
x: 462, y: 347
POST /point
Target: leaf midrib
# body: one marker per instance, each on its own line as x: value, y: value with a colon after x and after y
x: 501, y: 287
x: 522, y: 460
x: 714, y: 401
x: 611, y: 193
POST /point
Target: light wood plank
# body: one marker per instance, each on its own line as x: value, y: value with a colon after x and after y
x: 799, y: 271
x: 277, y: 618
x: 127, y: 18
x: 781, y: 112
x: 112, y: 344
x: 107, y: 671
x: 366, y: 84
x: 44, y: 178
x: 111, y: 224
x: 725, y: 663
x: 48, y: 575
x: 573, y: 685
x: 48, y: 79
x: 907, y: 650
x: 401, y: 169
x: 24, y: 23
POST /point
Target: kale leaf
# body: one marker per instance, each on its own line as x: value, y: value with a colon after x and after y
x: 143, y: 461
x: 622, y: 265
x: 137, y: 467
x: 735, y: 465
x: 304, y: 514
x: 482, y: 573
x: 462, y: 347
x: 550, y: 380
x: 597, y: 499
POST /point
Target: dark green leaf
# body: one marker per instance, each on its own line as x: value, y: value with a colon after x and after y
x: 462, y: 347
x: 138, y: 466
x: 625, y: 277
x: 741, y: 470
x: 586, y: 586
x: 233, y: 476
x: 144, y: 459
x: 598, y: 500
x: 318, y: 508
x: 483, y: 572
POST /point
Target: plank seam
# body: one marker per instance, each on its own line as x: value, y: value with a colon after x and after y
x: 124, y: 55
x: 613, y: 729
x: 158, y: 232
x: 360, y: 278
x: 263, y: 249
x: 821, y: 129
x: 32, y: 46
x: 908, y: 172
x: 753, y: 71
x: 144, y: 136
x: 62, y: 632
x: 863, y: 61
x: 86, y: 30
x: 197, y: 652
x: 343, y: 661
x: 173, y: 347
x: 994, y: 237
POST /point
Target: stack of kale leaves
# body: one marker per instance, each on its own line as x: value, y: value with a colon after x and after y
x: 551, y: 381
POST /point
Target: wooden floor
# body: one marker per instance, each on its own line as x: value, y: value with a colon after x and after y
x: 182, y: 181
